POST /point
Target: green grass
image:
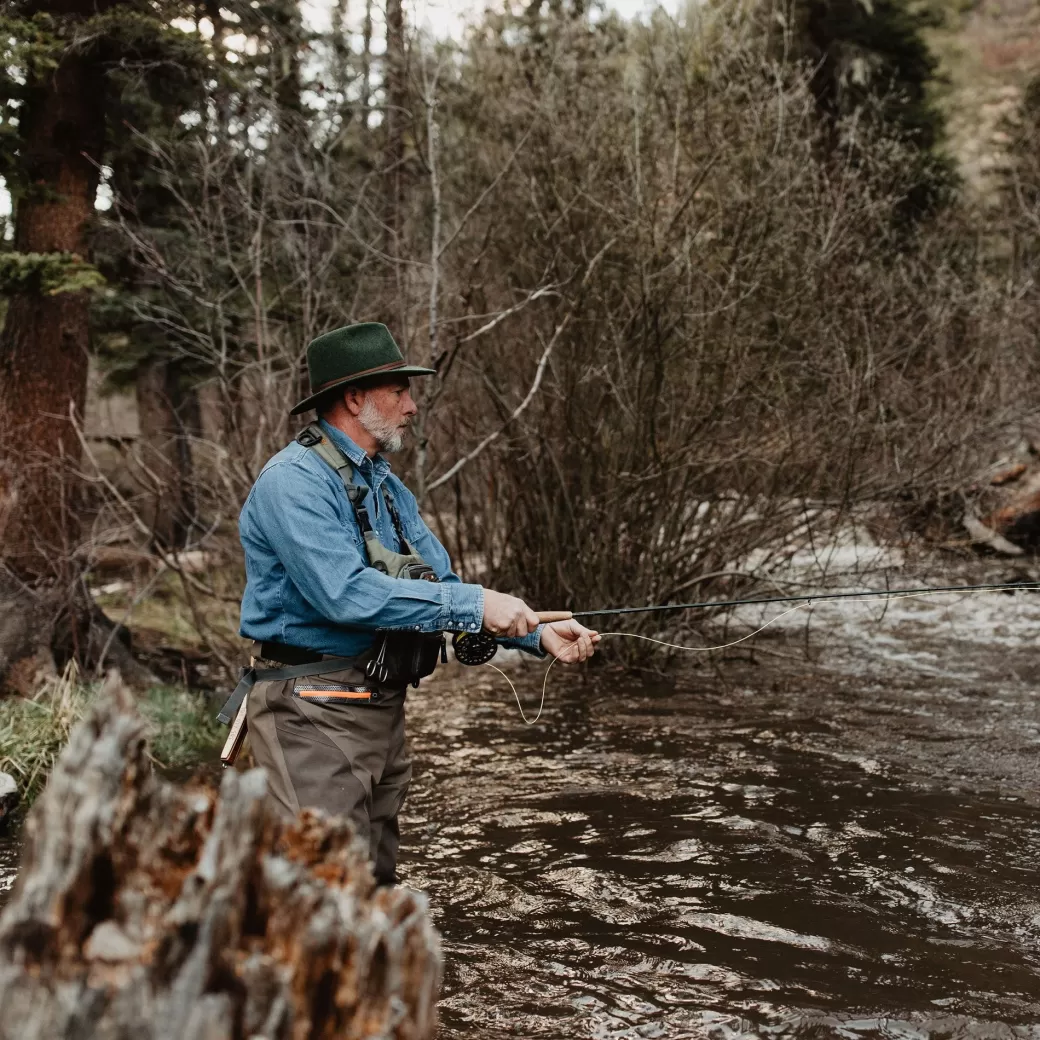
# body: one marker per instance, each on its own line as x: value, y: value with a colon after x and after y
x: 33, y: 730
x: 183, y: 724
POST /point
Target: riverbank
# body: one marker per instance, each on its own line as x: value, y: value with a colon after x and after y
x: 33, y: 730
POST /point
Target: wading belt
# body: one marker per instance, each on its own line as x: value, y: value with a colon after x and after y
x: 251, y: 676
x: 233, y: 713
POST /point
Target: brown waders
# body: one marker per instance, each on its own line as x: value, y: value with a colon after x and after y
x: 336, y: 742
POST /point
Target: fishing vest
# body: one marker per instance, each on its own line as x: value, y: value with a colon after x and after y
x: 398, y: 656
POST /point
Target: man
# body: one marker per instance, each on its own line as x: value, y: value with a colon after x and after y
x: 348, y: 593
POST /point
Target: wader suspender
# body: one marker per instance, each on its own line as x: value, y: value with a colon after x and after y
x: 313, y: 438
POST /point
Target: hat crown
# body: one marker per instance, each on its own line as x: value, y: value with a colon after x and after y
x: 364, y: 353
x: 354, y: 350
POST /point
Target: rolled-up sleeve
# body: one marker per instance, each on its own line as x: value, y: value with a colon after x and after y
x: 531, y: 643
x: 302, y: 517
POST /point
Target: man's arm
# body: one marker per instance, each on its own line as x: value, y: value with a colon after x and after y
x: 299, y: 514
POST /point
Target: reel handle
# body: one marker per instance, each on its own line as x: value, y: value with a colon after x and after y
x: 546, y: 617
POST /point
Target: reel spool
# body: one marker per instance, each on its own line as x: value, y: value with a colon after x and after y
x: 474, y: 648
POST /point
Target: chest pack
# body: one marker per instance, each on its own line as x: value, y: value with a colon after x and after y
x: 397, y: 657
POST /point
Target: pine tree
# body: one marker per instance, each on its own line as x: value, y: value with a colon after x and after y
x: 53, y: 173
x: 63, y: 82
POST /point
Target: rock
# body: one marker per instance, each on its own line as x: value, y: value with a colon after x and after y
x: 164, y: 913
x: 9, y: 799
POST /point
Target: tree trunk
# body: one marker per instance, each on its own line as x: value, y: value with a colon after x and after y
x: 366, y: 70
x: 43, y: 345
x: 167, y: 417
x: 286, y: 45
x: 154, y: 911
x: 396, y: 112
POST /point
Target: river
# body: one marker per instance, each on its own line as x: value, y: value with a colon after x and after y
x: 838, y: 845
x: 840, y: 848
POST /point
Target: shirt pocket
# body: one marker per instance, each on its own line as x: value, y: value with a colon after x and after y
x: 322, y: 691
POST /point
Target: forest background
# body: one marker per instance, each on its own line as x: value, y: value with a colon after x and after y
x: 700, y: 288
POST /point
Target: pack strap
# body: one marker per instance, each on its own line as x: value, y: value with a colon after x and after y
x: 395, y: 519
x: 251, y: 676
x: 313, y: 437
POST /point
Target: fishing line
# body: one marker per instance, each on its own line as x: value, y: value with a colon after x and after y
x: 810, y: 601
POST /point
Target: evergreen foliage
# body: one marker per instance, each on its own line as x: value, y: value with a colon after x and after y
x: 871, y: 62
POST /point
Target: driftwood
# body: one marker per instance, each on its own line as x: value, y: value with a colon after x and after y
x: 1004, y: 510
x: 981, y: 534
x: 147, y: 911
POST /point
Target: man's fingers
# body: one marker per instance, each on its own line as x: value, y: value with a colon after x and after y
x: 524, y: 624
x: 577, y: 651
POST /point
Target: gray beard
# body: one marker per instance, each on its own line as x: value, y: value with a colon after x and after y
x: 386, y: 433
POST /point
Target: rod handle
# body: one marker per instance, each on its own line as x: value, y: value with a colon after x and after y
x: 546, y: 617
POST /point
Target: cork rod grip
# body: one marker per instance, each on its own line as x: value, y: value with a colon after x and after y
x: 546, y: 617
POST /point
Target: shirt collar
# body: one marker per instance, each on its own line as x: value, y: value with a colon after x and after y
x: 379, y: 466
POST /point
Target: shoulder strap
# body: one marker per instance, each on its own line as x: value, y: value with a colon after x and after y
x: 314, y: 438
x: 395, y: 519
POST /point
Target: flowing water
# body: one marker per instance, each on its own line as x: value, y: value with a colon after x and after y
x: 846, y: 849
x: 843, y: 848
x: 9, y: 850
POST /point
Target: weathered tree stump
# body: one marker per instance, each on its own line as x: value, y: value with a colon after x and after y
x: 145, y: 911
x: 24, y: 636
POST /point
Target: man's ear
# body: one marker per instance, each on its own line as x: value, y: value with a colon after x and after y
x: 354, y: 400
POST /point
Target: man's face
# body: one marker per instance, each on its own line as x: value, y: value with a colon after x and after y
x: 387, y: 411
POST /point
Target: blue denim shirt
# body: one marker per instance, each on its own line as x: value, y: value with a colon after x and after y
x: 308, y: 583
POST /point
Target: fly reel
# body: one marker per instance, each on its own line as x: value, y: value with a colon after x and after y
x: 479, y: 647
x: 474, y: 647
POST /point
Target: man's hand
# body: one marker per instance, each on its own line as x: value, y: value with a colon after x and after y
x: 569, y: 642
x: 507, y: 616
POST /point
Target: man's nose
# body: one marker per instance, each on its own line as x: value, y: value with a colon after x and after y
x: 410, y: 407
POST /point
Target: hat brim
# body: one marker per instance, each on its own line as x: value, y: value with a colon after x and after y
x: 369, y: 380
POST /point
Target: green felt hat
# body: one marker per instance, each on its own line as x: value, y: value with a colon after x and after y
x: 354, y: 354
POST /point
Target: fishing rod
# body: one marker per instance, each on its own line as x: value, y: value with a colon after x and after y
x: 818, y: 597
x: 475, y: 648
